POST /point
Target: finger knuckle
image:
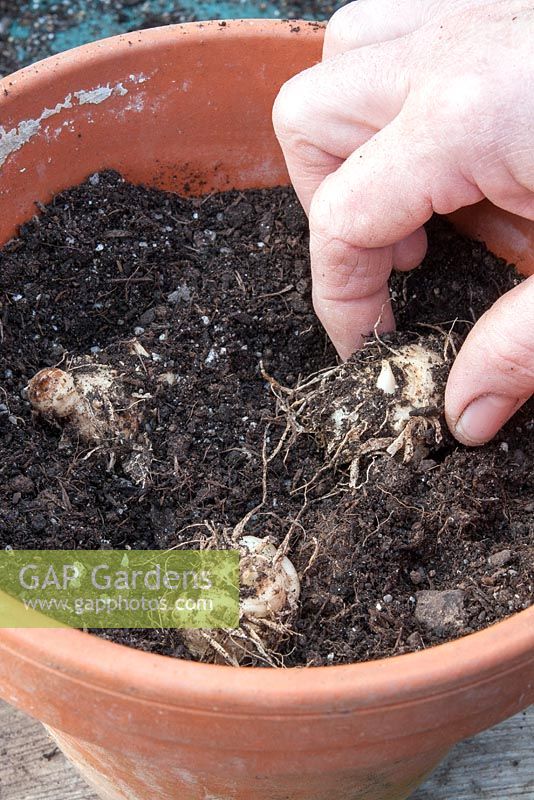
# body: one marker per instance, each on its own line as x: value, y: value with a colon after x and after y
x: 354, y: 271
x: 336, y: 212
x: 326, y: 216
x: 517, y: 361
x: 513, y: 369
x: 465, y: 98
x: 291, y: 108
x: 512, y: 355
x: 340, y: 23
x: 321, y: 209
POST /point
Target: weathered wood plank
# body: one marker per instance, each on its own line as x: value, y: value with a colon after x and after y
x: 497, y: 764
x: 31, y: 768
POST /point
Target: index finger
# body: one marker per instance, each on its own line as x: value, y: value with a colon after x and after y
x: 381, y: 194
x: 322, y: 115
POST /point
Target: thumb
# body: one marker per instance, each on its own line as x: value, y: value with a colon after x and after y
x: 493, y: 374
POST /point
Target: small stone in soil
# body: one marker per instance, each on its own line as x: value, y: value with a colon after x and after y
x: 22, y: 484
x: 440, y: 612
x: 500, y: 559
x: 415, y: 640
x: 181, y: 294
x: 417, y: 576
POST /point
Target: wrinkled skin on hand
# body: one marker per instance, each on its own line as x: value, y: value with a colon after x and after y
x: 419, y: 106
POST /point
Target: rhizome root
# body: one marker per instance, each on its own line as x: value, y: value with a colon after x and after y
x: 387, y: 399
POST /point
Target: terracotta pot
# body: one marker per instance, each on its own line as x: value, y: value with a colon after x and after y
x: 188, y: 108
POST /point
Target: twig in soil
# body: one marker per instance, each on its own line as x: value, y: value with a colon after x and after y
x: 327, y: 466
x: 241, y: 282
x: 286, y: 289
x: 400, y: 502
x: 313, y: 556
x: 219, y: 649
x: 375, y: 531
x: 399, y: 639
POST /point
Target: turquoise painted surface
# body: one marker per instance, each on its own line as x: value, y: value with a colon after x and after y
x: 82, y: 22
x: 109, y: 25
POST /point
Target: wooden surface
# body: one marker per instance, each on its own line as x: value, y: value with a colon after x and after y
x: 498, y: 764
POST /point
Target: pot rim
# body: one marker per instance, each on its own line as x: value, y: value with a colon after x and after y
x: 474, y: 660
x: 463, y: 664
x: 101, y: 49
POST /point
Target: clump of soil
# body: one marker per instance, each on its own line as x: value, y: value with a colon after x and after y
x: 203, y: 308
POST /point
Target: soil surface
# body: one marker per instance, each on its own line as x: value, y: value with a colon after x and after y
x: 207, y: 289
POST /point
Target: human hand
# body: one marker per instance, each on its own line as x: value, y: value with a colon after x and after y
x: 418, y: 106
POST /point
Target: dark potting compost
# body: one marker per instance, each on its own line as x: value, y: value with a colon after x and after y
x: 223, y: 413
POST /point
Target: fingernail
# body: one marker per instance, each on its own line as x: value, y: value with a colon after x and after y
x: 484, y: 417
